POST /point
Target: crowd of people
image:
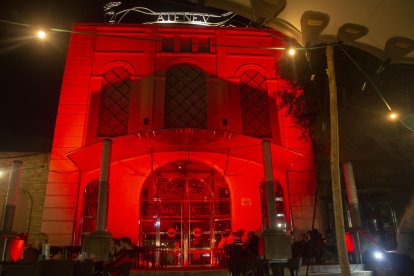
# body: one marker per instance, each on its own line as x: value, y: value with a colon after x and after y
x: 232, y: 249
x: 121, y: 258
x: 235, y: 254
x: 251, y: 245
x: 314, y: 248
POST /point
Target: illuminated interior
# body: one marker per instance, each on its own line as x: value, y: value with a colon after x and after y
x: 185, y: 207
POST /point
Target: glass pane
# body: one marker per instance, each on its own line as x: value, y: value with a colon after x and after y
x: 114, y: 105
x: 185, y: 97
x: 185, y: 208
x: 254, y: 105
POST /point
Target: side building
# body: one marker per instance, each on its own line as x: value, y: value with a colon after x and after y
x: 31, y: 191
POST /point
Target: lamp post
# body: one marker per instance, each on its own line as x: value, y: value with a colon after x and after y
x: 313, y: 23
x: 335, y: 172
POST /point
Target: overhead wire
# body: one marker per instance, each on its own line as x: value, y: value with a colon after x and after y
x: 366, y: 76
x: 376, y: 88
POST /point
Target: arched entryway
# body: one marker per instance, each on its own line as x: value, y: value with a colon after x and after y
x: 185, y: 207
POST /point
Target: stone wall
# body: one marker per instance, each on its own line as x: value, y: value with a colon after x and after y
x: 32, y: 189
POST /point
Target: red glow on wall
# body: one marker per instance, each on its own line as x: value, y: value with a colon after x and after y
x: 222, y: 144
x: 16, y: 249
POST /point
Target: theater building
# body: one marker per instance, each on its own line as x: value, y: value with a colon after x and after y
x: 187, y: 110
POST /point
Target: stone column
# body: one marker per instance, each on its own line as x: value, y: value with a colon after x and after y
x: 276, y: 243
x: 352, y: 195
x: 269, y: 185
x: 353, y: 204
x: 98, y: 242
x: 11, y: 198
x: 102, y: 214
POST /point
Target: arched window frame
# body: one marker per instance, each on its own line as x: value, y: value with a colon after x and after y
x: 254, y: 103
x: 113, y: 116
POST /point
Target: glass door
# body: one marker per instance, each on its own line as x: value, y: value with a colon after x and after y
x: 185, y: 207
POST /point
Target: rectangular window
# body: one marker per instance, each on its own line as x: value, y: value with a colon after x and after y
x: 186, y: 45
x: 204, y: 45
x: 168, y: 44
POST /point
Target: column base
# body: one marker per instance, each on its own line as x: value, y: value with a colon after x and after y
x: 11, y: 247
x: 276, y: 245
x: 97, y: 244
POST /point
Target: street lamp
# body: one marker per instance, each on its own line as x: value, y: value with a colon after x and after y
x: 350, y: 32
x: 41, y: 34
x: 312, y: 25
x: 393, y: 116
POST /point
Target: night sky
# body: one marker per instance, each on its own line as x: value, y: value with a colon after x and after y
x: 31, y: 71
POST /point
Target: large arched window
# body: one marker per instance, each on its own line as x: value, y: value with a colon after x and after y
x: 254, y: 105
x: 90, y: 206
x: 185, y: 97
x: 114, y: 104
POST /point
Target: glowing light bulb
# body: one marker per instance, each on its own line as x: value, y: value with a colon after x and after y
x: 292, y: 52
x: 378, y: 255
x: 2, y: 173
x: 393, y: 116
x: 41, y: 34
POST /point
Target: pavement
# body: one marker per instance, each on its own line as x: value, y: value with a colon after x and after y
x: 316, y: 270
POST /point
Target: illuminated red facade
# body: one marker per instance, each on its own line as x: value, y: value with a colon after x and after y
x: 187, y: 112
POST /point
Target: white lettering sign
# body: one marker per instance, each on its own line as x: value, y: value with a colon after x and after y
x: 114, y: 13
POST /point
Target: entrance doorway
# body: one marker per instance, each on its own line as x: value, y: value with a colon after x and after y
x: 185, y: 208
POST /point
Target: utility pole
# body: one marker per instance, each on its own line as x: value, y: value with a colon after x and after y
x: 335, y: 172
